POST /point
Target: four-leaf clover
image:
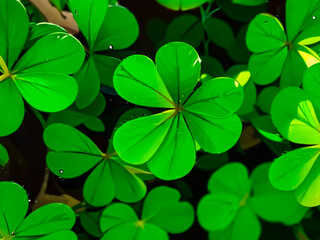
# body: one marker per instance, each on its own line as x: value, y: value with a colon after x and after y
x: 166, y: 141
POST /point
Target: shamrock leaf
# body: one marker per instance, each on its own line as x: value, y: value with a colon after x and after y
x: 4, y: 157
x: 75, y: 154
x: 162, y: 213
x: 87, y: 116
x: 249, y: 2
x: 105, y: 28
x: 166, y: 141
x: 276, y: 53
x: 230, y: 211
x: 295, y: 116
x: 182, y: 4
x: 52, y: 221
x: 40, y: 75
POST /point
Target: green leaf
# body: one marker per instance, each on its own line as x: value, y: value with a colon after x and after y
x: 178, y: 65
x: 12, y: 107
x: 90, y: 222
x: 265, y: 33
x: 162, y: 208
x: 39, y: 30
x: 219, y: 32
x: 298, y: 170
x: 217, y: 211
x: 89, y: 83
x: 56, y: 52
x: 238, y: 50
x: 211, y: 66
x: 266, y: 97
x: 74, y: 116
x: 14, y: 27
x: 60, y: 4
x: 185, y: 28
x: 139, y: 73
x: 116, y: 214
x: 95, y: 124
x: 212, y: 161
x: 75, y: 150
x: 214, y: 135
x: 249, y: 2
x: 311, y: 84
x: 271, y: 204
x: 89, y: 14
x: 266, y: 67
x: 266, y: 128
x: 249, y: 100
x: 230, y: 179
x: 105, y: 66
x: 294, y: 116
x: 245, y: 226
x: 14, y: 206
x: 47, y: 92
x: 119, y: 30
x: 4, y: 156
x: 61, y: 235
x: 181, y: 4
x: 299, y: 16
x: 219, y: 97
x: 289, y: 170
x: 46, y: 220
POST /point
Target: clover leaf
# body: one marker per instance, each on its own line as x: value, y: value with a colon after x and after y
x: 105, y: 28
x: 162, y: 213
x: 277, y: 53
x: 230, y: 210
x: 182, y: 4
x: 75, y: 154
x: 295, y: 114
x: 88, y: 116
x: 40, y: 75
x: 166, y: 141
x: 52, y: 221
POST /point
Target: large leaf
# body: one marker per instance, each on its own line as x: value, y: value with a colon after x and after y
x: 14, y: 27
x: 265, y: 33
x: 47, y: 92
x: 219, y: 97
x: 178, y: 65
x: 46, y: 220
x: 56, y: 52
x: 12, y: 107
x: 13, y: 205
x: 89, y: 16
x: 119, y: 29
x: 139, y: 73
x: 294, y: 116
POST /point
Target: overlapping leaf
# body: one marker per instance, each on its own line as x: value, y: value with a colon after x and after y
x: 105, y: 28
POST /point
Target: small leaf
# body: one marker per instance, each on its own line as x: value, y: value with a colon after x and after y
x: 4, y: 157
x: 219, y: 32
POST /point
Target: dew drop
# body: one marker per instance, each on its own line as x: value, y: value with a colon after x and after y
x: 61, y: 171
x: 182, y: 95
x: 110, y: 47
x: 314, y: 17
x: 110, y: 100
x: 58, y: 36
x: 265, y: 22
x: 76, y: 13
x: 29, y: 200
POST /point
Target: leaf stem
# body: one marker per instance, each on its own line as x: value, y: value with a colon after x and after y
x: 299, y: 232
x: 40, y: 117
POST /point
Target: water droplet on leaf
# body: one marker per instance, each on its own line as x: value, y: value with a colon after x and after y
x: 61, y: 171
x: 76, y: 13
x: 110, y: 47
x: 314, y: 17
